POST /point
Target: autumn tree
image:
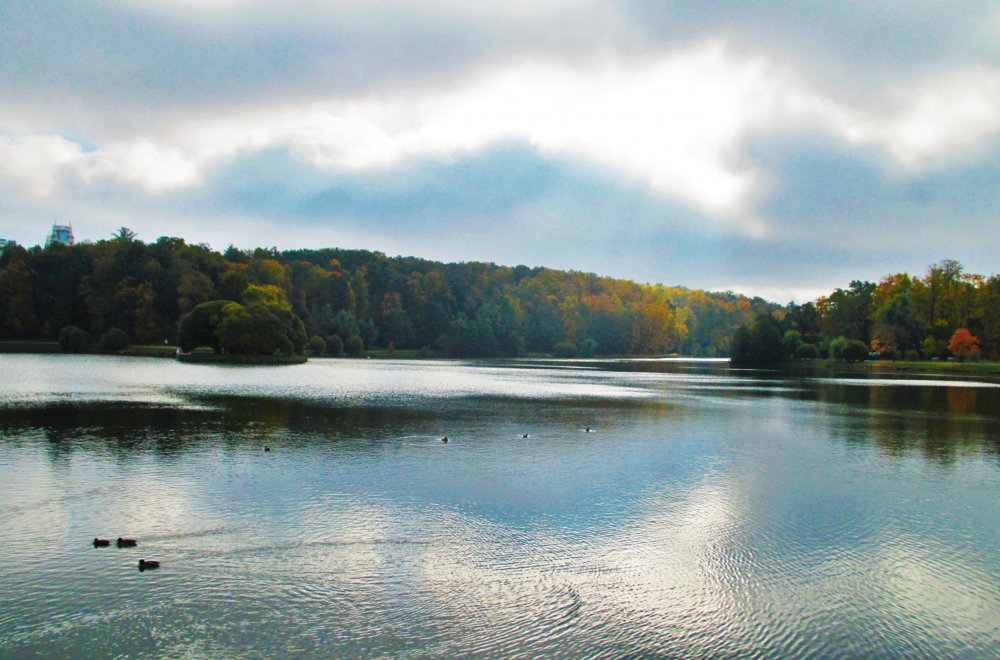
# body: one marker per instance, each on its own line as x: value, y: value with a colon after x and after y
x: 963, y: 344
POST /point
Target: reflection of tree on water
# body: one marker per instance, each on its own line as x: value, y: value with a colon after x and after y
x: 239, y: 423
x: 962, y: 399
x: 122, y: 429
x: 939, y: 422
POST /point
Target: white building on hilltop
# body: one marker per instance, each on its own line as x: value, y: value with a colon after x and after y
x: 60, y: 234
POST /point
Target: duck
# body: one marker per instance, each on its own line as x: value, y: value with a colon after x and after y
x: 444, y: 439
x: 266, y: 448
x: 126, y: 543
x: 525, y: 435
x: 144, y: 564
x: 588, y: 430
x: 101, y: 543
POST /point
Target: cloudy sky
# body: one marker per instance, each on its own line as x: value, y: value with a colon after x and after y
x: 768, y: 147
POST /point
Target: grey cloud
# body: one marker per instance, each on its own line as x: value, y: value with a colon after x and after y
x: 102, y: 67
x: 854, y: 46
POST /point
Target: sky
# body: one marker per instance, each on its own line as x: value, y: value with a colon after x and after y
x: 771, y: 148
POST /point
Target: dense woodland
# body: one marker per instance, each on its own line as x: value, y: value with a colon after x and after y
x: 353, y: 298
x: 946, y: 313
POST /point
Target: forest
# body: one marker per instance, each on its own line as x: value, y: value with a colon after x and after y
x: 944, y: 314
x: 123, y: 289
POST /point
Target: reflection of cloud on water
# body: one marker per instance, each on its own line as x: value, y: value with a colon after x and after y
x: 662, y: 581
x: 935, y: 586
x: 689, y: 576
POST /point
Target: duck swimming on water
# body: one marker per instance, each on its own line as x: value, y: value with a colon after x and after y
x: 444, y: 439
x: 588, y: 430
x: 143, y: 564
x: 101, y: 543
x: 126, y: 543
x: 525, y: 435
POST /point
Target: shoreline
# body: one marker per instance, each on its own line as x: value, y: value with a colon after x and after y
x: 161, y: 352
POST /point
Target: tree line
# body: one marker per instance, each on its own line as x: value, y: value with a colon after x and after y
x: 333, y: 300
x: 946, y: 313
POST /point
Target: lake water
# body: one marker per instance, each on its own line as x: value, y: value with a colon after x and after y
x: 709, y: 512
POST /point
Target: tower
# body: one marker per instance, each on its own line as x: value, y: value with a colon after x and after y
x: 60, y: 234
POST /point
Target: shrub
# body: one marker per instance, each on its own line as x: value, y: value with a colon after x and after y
x: 837, y: 347
x: 74, y: 340
x: 115, y: 341
x: 912, y: 355
x: 855, y: 351
x: 565, y: 349
x: 334, y: 345
x: 316, y: 344
x: 588, y: 348
x: 354, y: 346
x: 791, y: 341
x: 806, y: 352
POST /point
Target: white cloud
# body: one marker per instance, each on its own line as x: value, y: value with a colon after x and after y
x: 39, y: 165
x: 154, y: 167
x: 674, y: 122
x: 34, y: 163
x: 941, y: 117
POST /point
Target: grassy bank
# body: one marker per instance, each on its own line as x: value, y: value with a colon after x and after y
x: 29, y: 347
x: 151, y: 351
x: 48, y: 347
x: 890, y: 366
x: 212, y: 358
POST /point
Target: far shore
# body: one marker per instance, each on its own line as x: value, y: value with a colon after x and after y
x: 166, y: 351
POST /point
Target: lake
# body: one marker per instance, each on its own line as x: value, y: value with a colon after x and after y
x: 708, y: 512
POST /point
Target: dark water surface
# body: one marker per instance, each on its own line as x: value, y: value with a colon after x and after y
x: 710, y: 513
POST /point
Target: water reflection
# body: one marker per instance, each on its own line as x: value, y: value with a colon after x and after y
x: 708, y: 514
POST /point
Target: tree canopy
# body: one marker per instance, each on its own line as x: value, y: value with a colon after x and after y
x: 148, y: 291
x: 944, y: 313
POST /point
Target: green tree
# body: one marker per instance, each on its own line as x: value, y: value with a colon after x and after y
x: 194, y: 289
x: 565, y: 349
x: 316, y: 344
x: 354, y: 345
x: 115, y: 340
x: 897, y: 329
x: 791, y: 341
x: 251, y: 330
x: 334, y: 345
x: 588, y: 348
x: 855, y: 351
x: 759, y: 345
x: 19, y: 319
x: 74, y: 340
x: 198, y: 326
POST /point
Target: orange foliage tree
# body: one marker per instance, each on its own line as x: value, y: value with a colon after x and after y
x: 963, y: 344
